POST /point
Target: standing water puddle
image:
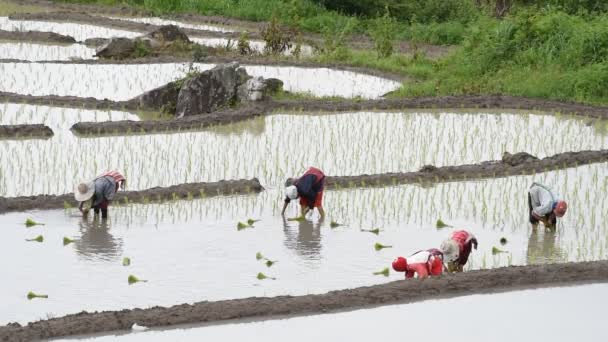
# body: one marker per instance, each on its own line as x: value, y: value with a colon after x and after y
x: 574, y: 314
x: 44, y: 52
x: 192, y: 251
x: 80, y: 32
x: 161, y: 22
x: 271, y: 147
x: 125, y: 81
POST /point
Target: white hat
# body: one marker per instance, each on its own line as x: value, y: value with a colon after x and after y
x: 291, y: 192
x: 84, y: 191
x: 450, y: 250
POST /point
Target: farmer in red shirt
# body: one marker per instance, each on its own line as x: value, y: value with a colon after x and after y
x: 423, y: 263
x: 98, y: 193
x: 457, y: 249
x: 309, y: 189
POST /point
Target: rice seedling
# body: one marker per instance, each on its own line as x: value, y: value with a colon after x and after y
x: 373, y: 231
x: 241, y: 225
x: 334, y: 224
x: 440, y: 224
x: 269, y: 263
x: 378, y: 246
x: 262, y: 276
x: 384, y: 272
x: 133, y: 279
x: 38, y: 238
x: 503, y: 241
x: 496, y: 250
x: 251, y: 221
x: 259, y: 256
x: 298, y: 219
x: 67, y: 241
x: 31, y: 223
x: 31, y: 295
x: 126, y: 261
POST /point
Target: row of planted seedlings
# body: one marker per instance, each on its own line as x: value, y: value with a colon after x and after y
x: 183, y: 247
x: 344, y: 144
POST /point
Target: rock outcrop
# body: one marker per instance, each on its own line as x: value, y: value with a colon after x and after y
x: 208, y: 91
x: 151, y: 43
x: 117, y: 48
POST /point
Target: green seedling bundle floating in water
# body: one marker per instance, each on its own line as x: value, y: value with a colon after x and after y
x: 503, y: 241
x: 441, y: 224
x: 268, y: 262
x: 384, y: 272
x: 378, y: 246
x: 31, y: 295
x: 373, y: 231
x: 133, y: 279
x: 30, y: 223
x: 38, y: 238
x: 126, y: 261
x: 67, y: 241
x: 262, y: 276
x: 496, y: 250
x: 250, y: 222
x: 298, y: 219
x: 334, y: 224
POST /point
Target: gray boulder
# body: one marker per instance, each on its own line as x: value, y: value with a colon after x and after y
x: 273, y: 85
x: 163, y: 97
x: 117, y: 48
x: 167, y: 34
x: 209, y: 90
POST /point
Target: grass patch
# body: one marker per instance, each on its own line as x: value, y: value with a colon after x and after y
x: 8, y: 8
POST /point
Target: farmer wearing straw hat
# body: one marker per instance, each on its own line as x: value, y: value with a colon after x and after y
x: 309, y: 189
x: 98, y: 193
x: 545, y: 205
x: 457, y: 248
x: 422, y: 263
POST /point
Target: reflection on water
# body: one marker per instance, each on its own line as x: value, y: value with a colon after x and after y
x: 95, y: 240
x: 44, y: 52
x: 304, y: 238
x: 542, y: 247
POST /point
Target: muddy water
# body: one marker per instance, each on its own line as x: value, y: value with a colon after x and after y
x: 44, y: 52
x: 80, y: 32
x: 161, y: 21
x: 122, y: 82
x: 271, y: 148
x: 191, y: 250
x: 484, y: 321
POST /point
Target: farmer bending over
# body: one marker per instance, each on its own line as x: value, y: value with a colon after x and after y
x: 309, y: 188
x: 423, y: 263
x: 98, y: 193
x: 457, y: 249
x: 545, y: 205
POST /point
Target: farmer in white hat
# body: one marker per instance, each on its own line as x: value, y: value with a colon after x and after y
x: 309, y: 189
x: 457, y: 248
x: 98, y: 193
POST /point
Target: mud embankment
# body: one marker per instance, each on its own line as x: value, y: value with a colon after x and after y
x: 153, y: 195
x: 490, y: 169
x: 36, y: 37
x: 314, y: 106
x: 396, y: 292
x: 66, y: 101
x: 35, y: 131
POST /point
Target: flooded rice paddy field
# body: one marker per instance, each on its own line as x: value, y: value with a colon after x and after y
x: 191, y: 250
x: 342, y: 144
x: 583, y: 319
x: 125, y: 81
x: 80, y: 32
x: 44, y: 52
x: 161, y: 21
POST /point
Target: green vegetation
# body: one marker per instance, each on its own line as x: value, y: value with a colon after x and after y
x: 67, y: 241
x: 496, y: 250
x: 38, y: 238
x: 503, y: 241
x: 30, y: 223
x: 378, y: 246
x: 384, y: 272
x: 242, y: 225
x: 373, y: 231
x: 262, y: 276
x: 441, y: 224
x: 133, y: 279
x: 31, y: 295
x: 555, y: 49
x: 126, y: 261
x: 334, y: 224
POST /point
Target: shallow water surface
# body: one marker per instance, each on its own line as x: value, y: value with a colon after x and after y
x: 44, y: 52
x: 512, y: 316
x: 125, y: 81
x: 78, y: 31
x: 192, y: 251
x: 160, y: 21
x: 275, y: 147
